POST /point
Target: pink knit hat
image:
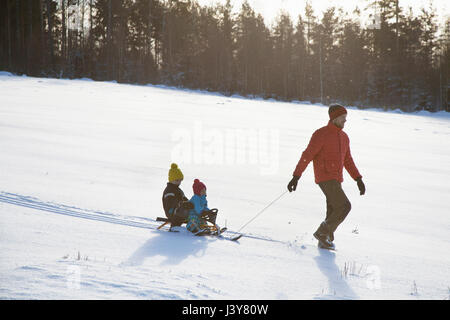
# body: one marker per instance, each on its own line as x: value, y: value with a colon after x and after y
x: 198, y: 187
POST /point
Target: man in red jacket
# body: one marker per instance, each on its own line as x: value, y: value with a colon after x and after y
x: 329, y: 149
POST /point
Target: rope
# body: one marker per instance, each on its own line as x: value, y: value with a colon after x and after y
x: 259, y: 213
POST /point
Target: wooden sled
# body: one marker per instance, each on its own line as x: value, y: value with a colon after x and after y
x: 213, y: 228
x: 161, y: 219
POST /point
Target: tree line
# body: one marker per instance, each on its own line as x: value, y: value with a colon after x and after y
x: 396, y: 59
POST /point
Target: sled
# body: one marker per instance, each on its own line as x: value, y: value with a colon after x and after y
x: 211, y: 227
x: 213, y: 230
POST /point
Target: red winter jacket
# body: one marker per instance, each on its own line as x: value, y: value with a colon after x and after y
x: 329, y: 149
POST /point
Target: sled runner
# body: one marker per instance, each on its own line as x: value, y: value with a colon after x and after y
x: 208, y: 230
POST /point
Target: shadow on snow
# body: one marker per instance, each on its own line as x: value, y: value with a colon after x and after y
x: 175, y: 247
x: 338, y: 288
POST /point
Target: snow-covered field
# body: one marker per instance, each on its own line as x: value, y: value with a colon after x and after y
x: 83, y: 165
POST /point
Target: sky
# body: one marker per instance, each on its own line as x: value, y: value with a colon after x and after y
x: 271, y: 8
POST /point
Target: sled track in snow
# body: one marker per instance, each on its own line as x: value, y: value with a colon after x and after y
x: 131, y: 221
x: 34, y: 203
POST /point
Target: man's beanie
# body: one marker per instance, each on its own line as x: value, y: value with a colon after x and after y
x: 175, y: 173
x: 198, y: 187
x: 336, y: 110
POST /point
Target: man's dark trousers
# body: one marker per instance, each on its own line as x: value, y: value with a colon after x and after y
x: 338, y: 207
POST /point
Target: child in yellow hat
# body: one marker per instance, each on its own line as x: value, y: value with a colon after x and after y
x: 176, y: 205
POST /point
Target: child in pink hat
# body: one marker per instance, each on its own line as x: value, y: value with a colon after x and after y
x: 201, y: 213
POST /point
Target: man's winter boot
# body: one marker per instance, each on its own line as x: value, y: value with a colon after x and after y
x: 328, y: 247
x: 323, y: 235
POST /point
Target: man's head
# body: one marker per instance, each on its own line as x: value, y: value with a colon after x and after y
x: 338, y: 115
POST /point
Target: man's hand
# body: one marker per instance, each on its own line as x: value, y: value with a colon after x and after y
x: 361, y: 186
x: 292, y: 185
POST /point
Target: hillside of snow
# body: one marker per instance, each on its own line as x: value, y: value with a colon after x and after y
x: 83, y: 166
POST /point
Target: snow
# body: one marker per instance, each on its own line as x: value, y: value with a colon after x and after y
x: 84, y: 164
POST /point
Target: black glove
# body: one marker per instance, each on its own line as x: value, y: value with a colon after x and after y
x: 187, y: 205
x: 361, y: 186
x: 293, y: 183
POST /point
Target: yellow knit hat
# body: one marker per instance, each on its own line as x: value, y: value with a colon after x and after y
x: 175, y: 173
